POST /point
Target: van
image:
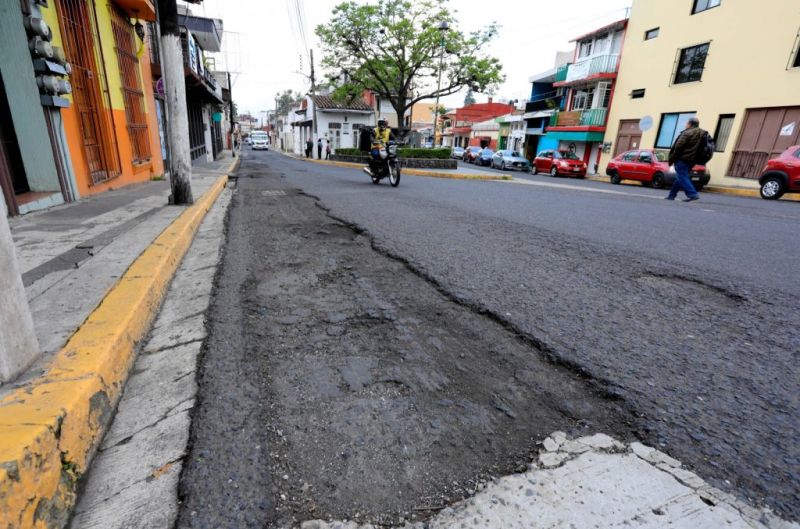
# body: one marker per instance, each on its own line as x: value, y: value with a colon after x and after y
x: 259, y: 140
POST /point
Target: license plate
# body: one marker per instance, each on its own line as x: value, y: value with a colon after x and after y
x: 576, y: 169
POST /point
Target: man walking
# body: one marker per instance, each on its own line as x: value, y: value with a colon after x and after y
x: 319, y: 148
x: 688, y: 148
x: 328, y: 150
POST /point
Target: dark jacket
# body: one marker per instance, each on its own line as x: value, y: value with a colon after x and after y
x: 688, y: 147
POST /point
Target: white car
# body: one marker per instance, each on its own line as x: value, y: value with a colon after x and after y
x: 259, y: 141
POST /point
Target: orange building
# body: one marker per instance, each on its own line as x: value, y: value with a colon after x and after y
x: 111, y: 123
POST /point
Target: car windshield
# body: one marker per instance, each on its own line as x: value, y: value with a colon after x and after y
x: 661, y: 156
x: 475, y: 149
x: 259, y: 137
x: 514, y: 154
x: 567, y: 155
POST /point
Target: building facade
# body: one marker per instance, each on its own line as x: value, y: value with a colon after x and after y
x: 322, y: 117
x: 469, y: 115
x: 75, y: 80
x: 589, y: 83
x: 687, y: 58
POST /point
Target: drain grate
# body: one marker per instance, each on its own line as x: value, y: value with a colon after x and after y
x: 274, y: 193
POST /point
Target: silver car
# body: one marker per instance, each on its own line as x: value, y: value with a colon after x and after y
x: 457, y: 153
x: 507, y: 159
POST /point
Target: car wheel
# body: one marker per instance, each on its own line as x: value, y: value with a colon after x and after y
x: 534, y: 169
x: 772, y: 188
x: 554, y: 171
x: 614, y: 176
x: 658, y: 181
x: 502, y: 166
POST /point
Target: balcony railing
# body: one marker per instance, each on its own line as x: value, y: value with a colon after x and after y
x: 561, y: 73
x: 592, y: 66
x: 594, y: 117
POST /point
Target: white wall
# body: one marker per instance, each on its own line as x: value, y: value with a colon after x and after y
x: 207, y: 127
x: 347, y: 137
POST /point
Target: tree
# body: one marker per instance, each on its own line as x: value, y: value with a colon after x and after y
x: 394, y: 49
x: 286, y: 100
x: 469, y: 99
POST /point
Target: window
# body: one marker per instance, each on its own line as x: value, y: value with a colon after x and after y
x: 651, y: 34
x: 604, y: 90
x: 797, y: 55
x: 724, y: 126
x: 332, y: 126
x: 691, y: 64
x: 585, y: 49
x: 671, y: 126
x: 638, y: 93
x: 645, y: 157
x: 702, y: 5
x: 629, y: 156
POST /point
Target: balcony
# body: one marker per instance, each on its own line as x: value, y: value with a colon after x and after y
x: 590, y: 67
x: 595, y: 117
x: 561, y: 73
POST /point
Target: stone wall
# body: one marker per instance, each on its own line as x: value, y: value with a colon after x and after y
x: 411, y: 163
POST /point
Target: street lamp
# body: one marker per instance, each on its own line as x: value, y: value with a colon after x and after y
x: 443, y: 28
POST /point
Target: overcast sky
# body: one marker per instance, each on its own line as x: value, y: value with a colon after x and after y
x: 263, y: 47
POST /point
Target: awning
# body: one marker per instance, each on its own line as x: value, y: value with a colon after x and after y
x: 207, y: 31
x: 538, y: 114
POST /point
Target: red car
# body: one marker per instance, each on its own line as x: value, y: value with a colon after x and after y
x: 471, y: 153
x: 650, y: 167
x: 559, y: 163
x: 781, y: 174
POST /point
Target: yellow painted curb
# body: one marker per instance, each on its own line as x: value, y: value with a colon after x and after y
x: 409, y: 171
x: 51, y: 426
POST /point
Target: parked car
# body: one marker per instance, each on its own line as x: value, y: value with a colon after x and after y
x: 260, y: 140
x: 559, y: 163
x: 471, y: 153
x: 510, y: 160
x: 781, y: 175
x: 651, y: 167
x: 484, y: 158
x: 457, y: 153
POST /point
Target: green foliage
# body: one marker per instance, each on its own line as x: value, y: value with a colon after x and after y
x: 286, y: 100
x: 349, y: 152
x: 440, y: 154
x: 394, y: 49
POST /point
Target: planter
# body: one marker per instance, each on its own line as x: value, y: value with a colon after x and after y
x: 411, y: 163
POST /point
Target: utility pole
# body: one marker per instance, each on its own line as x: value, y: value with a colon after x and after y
x: 18, y: 344
x: 233, y: 132
x: 177, y: 114
x: 313, y: 92
x: 443, y: 28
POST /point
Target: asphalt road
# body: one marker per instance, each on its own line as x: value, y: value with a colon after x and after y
x: 680, y: 322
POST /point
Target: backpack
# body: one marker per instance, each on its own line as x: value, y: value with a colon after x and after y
x: 707, y: 148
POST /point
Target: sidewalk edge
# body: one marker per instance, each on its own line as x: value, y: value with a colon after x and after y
x: 53, y: 424
x: 409, y: 171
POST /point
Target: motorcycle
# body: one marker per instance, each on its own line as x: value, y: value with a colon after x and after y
x: 390, y: 167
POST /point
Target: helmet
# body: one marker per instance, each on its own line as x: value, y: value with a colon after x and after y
x: 383, y: 122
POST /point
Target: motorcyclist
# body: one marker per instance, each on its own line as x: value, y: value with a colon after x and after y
x: 381, y: 135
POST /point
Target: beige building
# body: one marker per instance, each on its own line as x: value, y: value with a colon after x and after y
x: 735, y: 64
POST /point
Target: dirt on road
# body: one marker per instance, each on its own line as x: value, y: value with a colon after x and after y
x: 338, y: 383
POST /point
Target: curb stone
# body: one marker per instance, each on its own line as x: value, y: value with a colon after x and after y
x: 53, y: 424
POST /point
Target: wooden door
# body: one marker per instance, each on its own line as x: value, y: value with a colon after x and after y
x: 629, y: 136
x: 91, y: 103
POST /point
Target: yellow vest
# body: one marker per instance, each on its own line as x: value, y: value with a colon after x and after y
x: 382, y: 137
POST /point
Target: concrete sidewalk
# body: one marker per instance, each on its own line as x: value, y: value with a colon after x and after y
x: 86, y: 247
x: 95, y: 274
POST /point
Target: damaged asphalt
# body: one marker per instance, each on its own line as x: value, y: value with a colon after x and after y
x: 383, y: 375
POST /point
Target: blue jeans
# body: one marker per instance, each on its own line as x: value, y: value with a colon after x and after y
x: 682, y: 181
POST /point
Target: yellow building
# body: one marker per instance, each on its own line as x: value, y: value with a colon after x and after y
x: 735, y: 64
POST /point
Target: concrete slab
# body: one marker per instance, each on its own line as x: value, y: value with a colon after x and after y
x: 594, y: 481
